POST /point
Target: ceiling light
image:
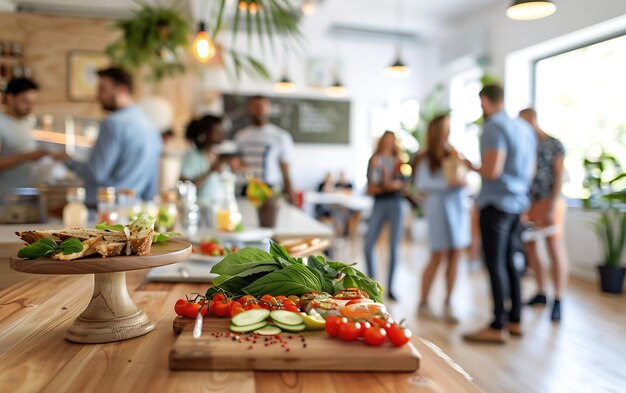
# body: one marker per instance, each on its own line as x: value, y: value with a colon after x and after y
x: 337, y: 89
x: 308, y: 7
x: 530, y: 9
x: 203, y: 46
x: 284, y: 85
x: 398, y: 69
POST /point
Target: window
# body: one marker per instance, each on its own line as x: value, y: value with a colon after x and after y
x: 580, y: 98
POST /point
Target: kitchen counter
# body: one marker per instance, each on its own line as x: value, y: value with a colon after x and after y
x: 34, y: 356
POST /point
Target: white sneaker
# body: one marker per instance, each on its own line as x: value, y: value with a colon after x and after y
x: 449, y: 315
x: 425, y: 312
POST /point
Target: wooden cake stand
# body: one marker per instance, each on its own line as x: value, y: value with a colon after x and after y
x: 111, y: 314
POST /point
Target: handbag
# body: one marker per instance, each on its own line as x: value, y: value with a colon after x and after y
x: 454, y: 170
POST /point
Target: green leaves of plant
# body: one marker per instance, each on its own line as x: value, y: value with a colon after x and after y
x: 292, y: 280
x: 106, y: 227
x: 162, y: 237
x: 46, y: 247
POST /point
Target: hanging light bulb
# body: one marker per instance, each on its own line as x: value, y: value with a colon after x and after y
x: 203, y: 46
x: 308, y: 7
x: 284, y: 85
x: 336, y: 89
x: 397, y: 69
x: 251, y: 6
x: 530, y: 9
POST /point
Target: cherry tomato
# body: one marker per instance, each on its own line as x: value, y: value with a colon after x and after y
x: 245, y: 298
x: 180, y: 307
x: 221, y: 308
x: 375, y: 336
x: 349, y: 331
x: 218, y: 297
x: 399, y: 335
x: 192, y: 310
x: 295, y: 300
x: 292, y: 309
x: 288, y: 303
x: 204, y: 305
x: 251, y: 306
x: 236, y: 310
x: 281, y: 298
x: 384, y: 323
x: 364, y: 326
x: 333, y: 323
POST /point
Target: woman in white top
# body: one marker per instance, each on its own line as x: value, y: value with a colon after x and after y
x: 447, y: 211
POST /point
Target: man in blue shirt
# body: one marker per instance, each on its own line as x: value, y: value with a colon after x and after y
x: 126, y: 154
x: 508, y: 150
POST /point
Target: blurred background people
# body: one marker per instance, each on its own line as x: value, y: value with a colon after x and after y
x: 266, y: 148
x: 200, y: 163
x: 387, y: 185
x: 446, y: 209
x: 546, y: 214
x: 18, y: 149
x: 508, y: 151
x: 126, y: 153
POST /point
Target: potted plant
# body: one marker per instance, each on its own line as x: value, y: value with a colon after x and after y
x: 610, y: 227
x: 265, y: 200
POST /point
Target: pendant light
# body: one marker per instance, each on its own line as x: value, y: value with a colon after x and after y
x: 203, y: 46
x: 398, y: 69
x: 251, y: 6
x: 336, y: 89
x: 530, y: 9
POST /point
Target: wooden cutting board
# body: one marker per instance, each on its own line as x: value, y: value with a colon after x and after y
x: 306, y: 351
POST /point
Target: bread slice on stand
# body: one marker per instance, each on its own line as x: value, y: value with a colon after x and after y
x: 135, y: 239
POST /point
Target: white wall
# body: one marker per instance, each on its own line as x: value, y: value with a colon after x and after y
x: 362, y: 65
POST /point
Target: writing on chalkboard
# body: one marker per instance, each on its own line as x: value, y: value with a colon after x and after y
x: 307, y: 120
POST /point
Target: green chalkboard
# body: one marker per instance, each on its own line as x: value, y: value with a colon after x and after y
x: 307, y: 120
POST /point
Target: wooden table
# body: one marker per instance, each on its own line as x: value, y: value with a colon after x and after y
x: 34, y: 356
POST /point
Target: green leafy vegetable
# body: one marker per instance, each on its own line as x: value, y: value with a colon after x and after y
x: 46, y: 247
x: 106, y: 227
x: 161, y: 237
x: 281, y: 255
x: 244, y: 259
x: 292, y: 280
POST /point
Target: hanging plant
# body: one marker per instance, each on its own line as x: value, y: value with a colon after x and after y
x: 157, y: 38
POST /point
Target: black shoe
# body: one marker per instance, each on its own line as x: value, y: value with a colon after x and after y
x: 539, y: 299
x: 556, y: 310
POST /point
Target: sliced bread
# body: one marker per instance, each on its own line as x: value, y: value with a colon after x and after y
x: 89, y: 248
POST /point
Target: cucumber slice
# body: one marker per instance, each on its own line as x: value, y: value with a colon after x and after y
x: 291, y: 328
x: 247, y: 328
x: 250, y: 317
x: 286, y: 317
x: 268, y: 330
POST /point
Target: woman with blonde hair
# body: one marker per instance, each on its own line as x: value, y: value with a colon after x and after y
x: 386, y: 184
x: 446, y: 207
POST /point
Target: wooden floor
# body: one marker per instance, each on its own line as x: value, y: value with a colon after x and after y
x: 585, y: 352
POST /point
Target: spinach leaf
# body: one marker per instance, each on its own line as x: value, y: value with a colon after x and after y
x: 281, y: 255
x: 319, y: 263
x: 294, y: 279
x: 326, y: 283
x: 234, y: 284
x: 361, y: 281
x: 244, y: 259
x: 45, y: 247
x: 162, y: 237
x: 106, y: 227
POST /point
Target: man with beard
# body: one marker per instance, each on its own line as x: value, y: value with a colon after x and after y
x: 18, y: 149
x: 266, y: 148
x: 126, y: 154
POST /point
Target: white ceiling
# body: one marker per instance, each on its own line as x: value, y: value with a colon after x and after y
x: 421, y: 16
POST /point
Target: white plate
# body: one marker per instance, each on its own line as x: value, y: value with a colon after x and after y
x: 247, y: 235
x: 208, y: 259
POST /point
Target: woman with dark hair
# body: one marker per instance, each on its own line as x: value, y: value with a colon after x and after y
x: 446, y: 209
x: 387, y: 185
x: 201, y: 161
